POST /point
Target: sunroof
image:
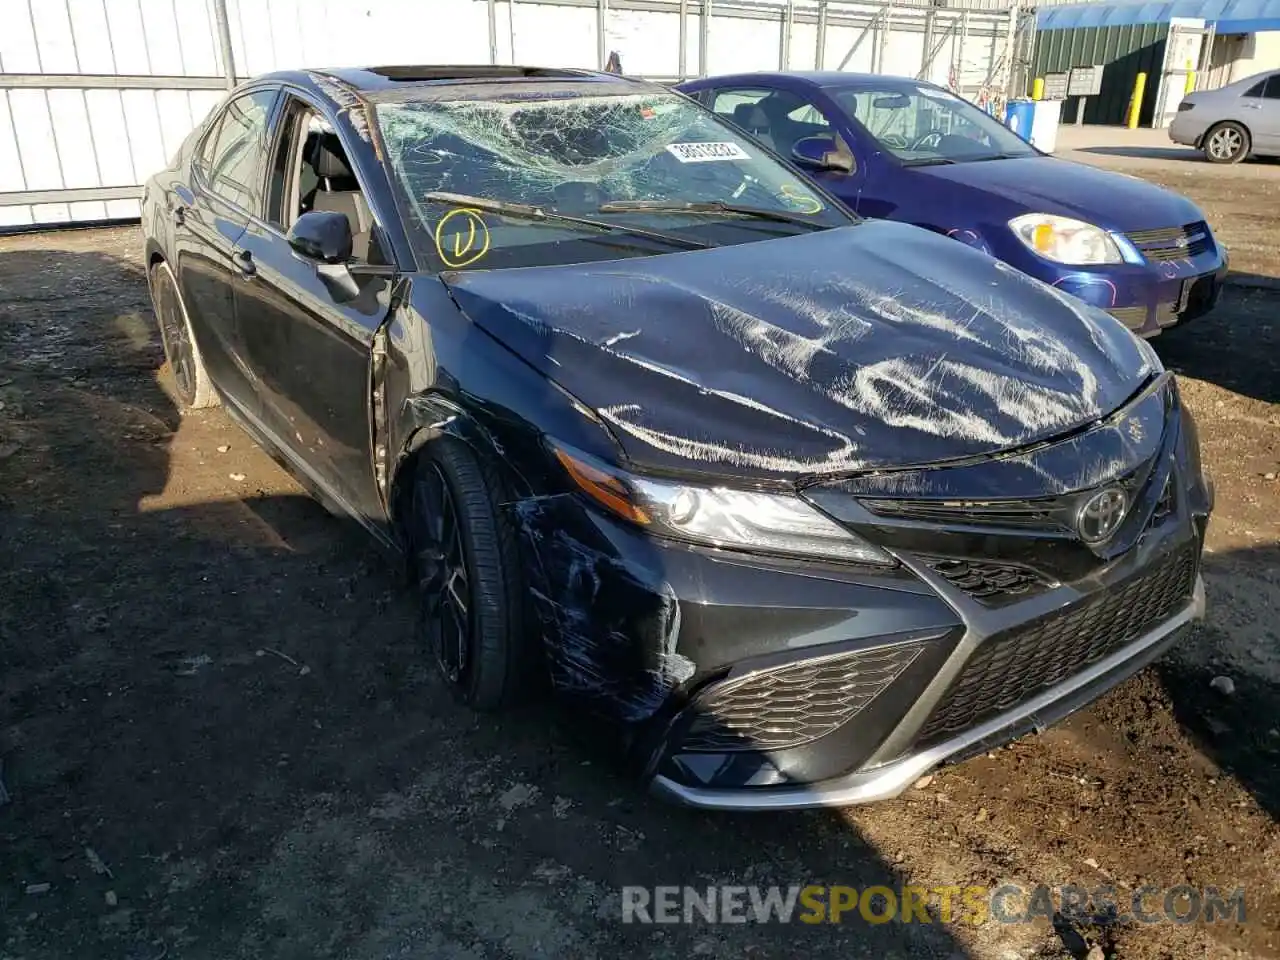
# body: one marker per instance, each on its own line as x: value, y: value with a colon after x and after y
x: 479, y: 72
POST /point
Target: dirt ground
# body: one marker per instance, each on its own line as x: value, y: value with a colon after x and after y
x: 219, y: 741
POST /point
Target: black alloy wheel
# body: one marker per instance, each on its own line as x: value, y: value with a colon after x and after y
x: 471, y: 592
x: 189, y: 378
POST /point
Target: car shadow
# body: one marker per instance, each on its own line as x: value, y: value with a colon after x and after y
x: 1139, y: 152
x: 1236, y: 346
x: 1226, y: 692
x: 217, y: 689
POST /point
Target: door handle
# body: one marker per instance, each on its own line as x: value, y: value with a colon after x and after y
x: 244, y: 260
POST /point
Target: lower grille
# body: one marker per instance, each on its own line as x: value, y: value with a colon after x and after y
x: 990, y: 582
x: 1010, y: 668
x: 1131, y: 317
x: 795, y: 704
x: 1172, y: 243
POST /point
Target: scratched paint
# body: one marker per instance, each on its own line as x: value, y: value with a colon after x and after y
x: 1123, y: 444
x: 348, y: 102
x: 612, y: 624
x: 873, y: 346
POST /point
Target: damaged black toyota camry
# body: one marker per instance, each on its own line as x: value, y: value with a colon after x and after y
x: 804, y: 505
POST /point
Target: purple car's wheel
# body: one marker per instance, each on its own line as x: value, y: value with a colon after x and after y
x: 470, y: 588
x: 191, y: 382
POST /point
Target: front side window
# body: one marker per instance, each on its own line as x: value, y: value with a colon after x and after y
x: 235, y: 154
x: 585, y: 156
x: 922, y: 125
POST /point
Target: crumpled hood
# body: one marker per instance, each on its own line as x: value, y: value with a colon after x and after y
x: 1046, y: 185
x: 872, y: 346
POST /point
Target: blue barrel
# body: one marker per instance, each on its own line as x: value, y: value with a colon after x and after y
x: 1018, y: 116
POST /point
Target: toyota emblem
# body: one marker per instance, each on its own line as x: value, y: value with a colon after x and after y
x: 1102, y: 514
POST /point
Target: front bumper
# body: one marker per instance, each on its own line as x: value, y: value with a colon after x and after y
x: 891, y: 779
x: 1169, y: 289
x: 745, y: 682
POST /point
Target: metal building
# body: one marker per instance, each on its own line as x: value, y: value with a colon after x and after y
x: 1216, y: 40
x: 95, y: 95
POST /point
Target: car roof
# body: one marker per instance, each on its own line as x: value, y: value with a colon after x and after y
x: 816, y: 78
x: 371, y: 83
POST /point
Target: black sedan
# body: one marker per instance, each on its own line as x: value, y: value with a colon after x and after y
x: 802, y: 505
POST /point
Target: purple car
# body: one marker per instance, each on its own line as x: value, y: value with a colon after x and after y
x: 907, y: 150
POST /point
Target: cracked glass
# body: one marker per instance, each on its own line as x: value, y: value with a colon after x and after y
x: 568, y: 153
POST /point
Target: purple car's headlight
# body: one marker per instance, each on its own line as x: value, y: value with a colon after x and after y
x: 1065, y: 240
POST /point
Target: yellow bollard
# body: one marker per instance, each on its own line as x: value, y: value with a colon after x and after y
x: 1037, y: 88
x: 1135, y: 104
x: 1191, y: 79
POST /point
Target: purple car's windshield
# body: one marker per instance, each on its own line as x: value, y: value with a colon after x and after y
x: 923, y: 124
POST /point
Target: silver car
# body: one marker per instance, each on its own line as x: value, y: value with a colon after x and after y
x: 1233, y: 122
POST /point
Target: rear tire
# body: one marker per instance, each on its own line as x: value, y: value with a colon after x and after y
x: 191, y: 383
x: 1226, y: 142
x: 471, y: 592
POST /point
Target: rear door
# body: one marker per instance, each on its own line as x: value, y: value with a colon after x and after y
x: 1266, y: 128
x: 311, y: 354
x: 209, y: 219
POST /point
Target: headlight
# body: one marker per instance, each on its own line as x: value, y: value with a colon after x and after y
x: 718, y: 516
x: 1065, y: 240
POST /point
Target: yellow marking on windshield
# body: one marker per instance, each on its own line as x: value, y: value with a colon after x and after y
x: 806, y: 203
x: 468, y: 241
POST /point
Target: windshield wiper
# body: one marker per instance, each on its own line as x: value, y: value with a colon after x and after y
x: 529, y: 211
x: 707, y: 206
x: 926, y: 161
x: 1000, y: 156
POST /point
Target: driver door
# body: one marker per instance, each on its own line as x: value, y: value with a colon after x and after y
x: 312, y: 354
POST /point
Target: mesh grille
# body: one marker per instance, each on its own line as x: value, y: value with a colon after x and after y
x: 1012, y: 667
x: 1172, y: 243
x: 794, y: 704
x: 988, y: 581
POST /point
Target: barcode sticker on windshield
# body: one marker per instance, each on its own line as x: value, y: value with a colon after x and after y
x: 703, y: 152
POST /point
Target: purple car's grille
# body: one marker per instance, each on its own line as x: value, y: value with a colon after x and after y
x: 1172, y: 243
x: 1131, y: 317
x: 795, y: 704
x: 1011, y: 667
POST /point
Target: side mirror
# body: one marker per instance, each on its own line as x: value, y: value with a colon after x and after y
x: 822, y: 153
x: 325, y: 237
x: 322, y: 235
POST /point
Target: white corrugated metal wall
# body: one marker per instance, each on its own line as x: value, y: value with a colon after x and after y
x: 77, y: 150
x: 95, y: 95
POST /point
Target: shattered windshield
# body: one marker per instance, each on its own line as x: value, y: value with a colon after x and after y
x: 624, y: 168
x: 923, y: 125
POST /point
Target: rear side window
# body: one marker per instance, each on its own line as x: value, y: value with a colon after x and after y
x: 235, y: 152
x: 1273, y: 87
x: 1256, y: 89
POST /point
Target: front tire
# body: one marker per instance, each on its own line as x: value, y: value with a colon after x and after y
x: 1227, y: 142
x: 471, y: 592
x: 191, y: 381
